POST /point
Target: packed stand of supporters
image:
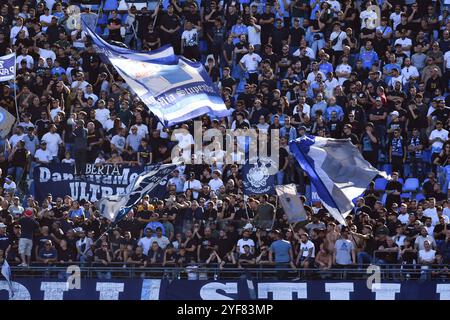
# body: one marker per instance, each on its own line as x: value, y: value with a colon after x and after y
x: 305, y: 67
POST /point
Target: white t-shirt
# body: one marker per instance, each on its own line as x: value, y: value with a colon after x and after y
x: 254, y: 37
x: 447, y: 59
x: 367, y: 17
x: 43, y: 155
x: 119, y: 142
x: 304, y: 247
x: 343, y: 68
x: 15, y: 138
x: 404, y: 43
x: 142, y: 130
x: 306, y: 109
x: 91, y: 95
x: 312, y: 76
x: 427, y: 255
x: 102, y: 115
x: 190, y: 38
x: 437, y: 145
x: 15, y: 31
x: 431, y: 213
x: 53, y: 141
x: 146, y: 244
x: 242, y: 242
x: 68, y: 161
x: 215, y: 184
x: 340, y: 35
x: 195, y: 184
x: 82, y: 86
x: 251, y: 61
x: 396, y: 18
x: 44, y: 53
x: 27, y: 58
x: 403, y: 218
x: 408, y: 72
x: 46, y: 19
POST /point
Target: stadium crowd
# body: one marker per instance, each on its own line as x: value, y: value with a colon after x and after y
x: 305, y: 67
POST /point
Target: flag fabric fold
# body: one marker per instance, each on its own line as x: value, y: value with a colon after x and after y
x: 337, y: 170
x: 115, y: 207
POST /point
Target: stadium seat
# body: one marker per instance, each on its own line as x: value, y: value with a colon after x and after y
x: 380, y: 184
x: 110, y: 5
x: 387, y: 168
x: 411, y: 185
x: 401, y: 181
x: 406, y: 195
x: 420, y: 197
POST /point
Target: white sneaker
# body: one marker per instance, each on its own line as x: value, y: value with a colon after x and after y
x: 23, y: 265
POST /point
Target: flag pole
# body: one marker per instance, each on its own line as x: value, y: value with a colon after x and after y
x: 15, y: 87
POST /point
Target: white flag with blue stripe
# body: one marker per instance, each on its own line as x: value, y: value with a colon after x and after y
x: 174, y: 93
x: 337, y: 170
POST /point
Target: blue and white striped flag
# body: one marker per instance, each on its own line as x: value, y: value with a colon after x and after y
x: 7, y: 67
x: 115, y: 207
x: 337, y: 170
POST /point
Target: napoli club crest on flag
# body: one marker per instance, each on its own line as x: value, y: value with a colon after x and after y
x: 257, y: 177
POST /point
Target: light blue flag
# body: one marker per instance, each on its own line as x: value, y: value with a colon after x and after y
x: 115, y: 207
x: 337, y: 170
x: 8, y: 67
x: 174, y: 93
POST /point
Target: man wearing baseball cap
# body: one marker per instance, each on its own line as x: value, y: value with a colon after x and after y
x: 29, y: 226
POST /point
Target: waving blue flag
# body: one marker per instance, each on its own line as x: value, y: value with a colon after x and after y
x: 7, y: 67
x: 174, y: 93
x: 337, y: 170
x: 173, y: 88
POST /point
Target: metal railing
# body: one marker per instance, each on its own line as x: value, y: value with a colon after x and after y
x: 258, y: 272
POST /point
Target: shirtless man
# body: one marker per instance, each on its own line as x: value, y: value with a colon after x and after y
x: 331, y: 237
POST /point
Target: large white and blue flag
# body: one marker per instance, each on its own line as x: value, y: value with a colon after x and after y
x: 115, y: 207
x: 174, y: 93
x: 337, y: 170
x: 173, y: 88
x: 8, y: 67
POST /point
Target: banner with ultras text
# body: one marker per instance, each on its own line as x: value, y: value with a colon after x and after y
x: 156, y: 289
x: 100, y: 181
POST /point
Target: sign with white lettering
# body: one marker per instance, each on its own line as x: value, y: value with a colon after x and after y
x: 99, y: 182
x: 156, y: 289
